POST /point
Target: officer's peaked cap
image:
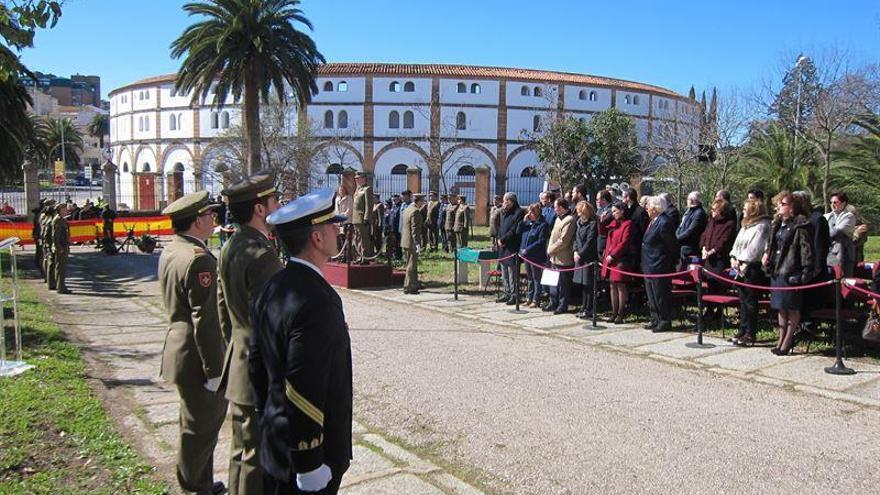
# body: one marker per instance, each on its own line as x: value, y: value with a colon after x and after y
x: 312, y: 209
x: 257, y: 186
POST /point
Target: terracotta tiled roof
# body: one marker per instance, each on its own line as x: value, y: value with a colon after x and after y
x: 463, y: 71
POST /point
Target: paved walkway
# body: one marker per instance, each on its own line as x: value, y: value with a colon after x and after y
x: 798, y: 371
x: 115, y: 314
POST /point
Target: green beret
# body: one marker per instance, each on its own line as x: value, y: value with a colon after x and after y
x: 257, y: 186
x: 190, y: 205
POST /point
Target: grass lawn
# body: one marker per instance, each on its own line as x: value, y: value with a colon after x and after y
x: 55, y: 436
x: 872, y: 249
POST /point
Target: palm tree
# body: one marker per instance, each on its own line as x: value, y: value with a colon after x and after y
x: 64, y: 140
x: 857, y: 165
x: 775, y: 162
x: 99, y: 127
x: 248, y: 47
x: 15, y: 131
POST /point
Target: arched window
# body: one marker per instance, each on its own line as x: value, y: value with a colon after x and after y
x: 179, y: 121
x: 462, y: 87
x: 466, y: 171
x: 394, y: 120
x: 173, y: 91
x: 399, y: 169
x: 409, y: 87
x: 461, y: 121
x: 125, y: 168
x: 538, y: 91
x: 343, y: 120
x: 328, y: 86
x: 172, y: 124
x: 582, y: 94
x: 342, y: 87
x: 475, y: 88
x: 215, y: 120
x: 593, y: 96
x: 334, y: 169
x: 146, y: 168
x: 141, y: 123
x: 636, y: 100
x: 529, y: 172
x: 627, y: 100
x: 408, y: 121
x: 394, y: 87
x: 525, y: 91
x: 328, y: 120
x: 536, y: 122
x: 147, y: 95
x: 224, y: 120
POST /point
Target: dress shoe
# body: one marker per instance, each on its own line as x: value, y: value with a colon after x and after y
x: 744, y: 341
x: 611, y: 318
x: 546, y: 307
x: 780, y: 352
x: 559, y: 311
x: 662, y: 327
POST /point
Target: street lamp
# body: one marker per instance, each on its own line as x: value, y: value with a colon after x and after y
x: 799, y: 65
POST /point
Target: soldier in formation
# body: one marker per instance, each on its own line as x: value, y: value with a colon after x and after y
x: 377, y: 223
x: 412, y: 241
x: 192, y: 359
x: 46, y: 236
x: 247, y: 261
x: 60, y: 250
x: 449, y: 224
x: 432, y: 221
x: 462, y: 224
x: 300, y: 357
x: 361, y: 218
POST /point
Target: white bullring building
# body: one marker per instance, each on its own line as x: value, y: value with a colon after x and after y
x: 379, y: 118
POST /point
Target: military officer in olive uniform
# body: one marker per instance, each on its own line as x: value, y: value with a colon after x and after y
x: 46, y: 235
x: 432, y: 218
x: 412, y: 241
x: 300, y: 357
x: 248, y: 259
x: 361, y: 217
x: 192, y: 359
x: 449, y: 226
x: 376, y: 223
x: 60, y: 250
x: 36, y: 232
x: 462, y: 225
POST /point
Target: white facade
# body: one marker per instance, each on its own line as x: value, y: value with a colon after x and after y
x: 396, y: 114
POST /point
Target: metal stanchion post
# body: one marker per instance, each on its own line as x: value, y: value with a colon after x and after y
x: 516, y: 288
x: 699, y: 343
x: 595, y: 269
x: 838, y: 368
x: 455, y: 274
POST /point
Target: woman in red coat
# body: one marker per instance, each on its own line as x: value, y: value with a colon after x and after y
x: 620, y: 254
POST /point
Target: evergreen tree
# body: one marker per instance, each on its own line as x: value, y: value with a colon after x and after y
x: 795, y: 103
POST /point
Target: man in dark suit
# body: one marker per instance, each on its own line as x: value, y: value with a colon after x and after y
x: 659, y: 255
x: 507, y: 242
x: 693, y: 223
x: 300, y: 357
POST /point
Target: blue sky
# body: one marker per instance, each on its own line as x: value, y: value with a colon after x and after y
x: 674, y: 44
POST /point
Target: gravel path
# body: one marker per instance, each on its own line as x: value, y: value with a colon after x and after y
x: 531, y: 413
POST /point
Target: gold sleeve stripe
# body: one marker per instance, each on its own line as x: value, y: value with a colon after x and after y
x: 303, y: 404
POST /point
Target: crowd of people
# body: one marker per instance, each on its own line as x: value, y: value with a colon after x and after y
x: 639, y: 242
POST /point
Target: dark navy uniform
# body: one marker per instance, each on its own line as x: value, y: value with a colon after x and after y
x: 300, y: 366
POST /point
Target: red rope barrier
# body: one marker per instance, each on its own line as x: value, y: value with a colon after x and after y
x: 856, y: 288
x: 574, y: 269
x: 649, y: 275
x: 496, y: 260
x: 765, y: 287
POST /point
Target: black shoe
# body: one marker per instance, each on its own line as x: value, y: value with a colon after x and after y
x: 218, y: 488
x: 618, y: 320
x: 559, y: 311
x: 662, y: 327
x: 744, y: 341
x: 546, y: 307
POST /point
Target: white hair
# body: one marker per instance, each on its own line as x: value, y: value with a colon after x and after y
x: 657, y: 203
x: 511, y: 196
x: 695, y: 196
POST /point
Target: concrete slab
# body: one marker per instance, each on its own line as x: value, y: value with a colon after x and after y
x: 632, y: 338
x: 677, y: 348
x: 422, y: 296
x: 398, y: 453
x: 395, y: 485
x: 506, y: 315
x: 546, y: 321
x: 811, y: 371
x: 454, y: 485
x: 744, y: 359
x: 869, y: 390
x: 449, y: 302
x: 163, y: 413
x: 365, y: 462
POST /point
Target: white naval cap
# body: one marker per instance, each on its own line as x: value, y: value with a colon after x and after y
x: 314, y: 208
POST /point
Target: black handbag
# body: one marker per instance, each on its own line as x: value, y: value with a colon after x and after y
x: 871, y: 332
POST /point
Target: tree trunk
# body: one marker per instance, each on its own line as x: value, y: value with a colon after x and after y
x: 826, y: 179
x: 251, y: 122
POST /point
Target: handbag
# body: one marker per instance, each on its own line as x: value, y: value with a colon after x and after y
x: 871, y: 332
